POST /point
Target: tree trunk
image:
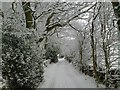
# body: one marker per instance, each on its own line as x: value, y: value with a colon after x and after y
x: 81, y: 59
x: 106, y: 63
x: 28, y: 14
x: 93, y: 52
x: 80, y: 53
x: 105, y: 50
x: 45, y: 47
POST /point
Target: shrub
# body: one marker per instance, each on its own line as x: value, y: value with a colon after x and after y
x: 18, y: 61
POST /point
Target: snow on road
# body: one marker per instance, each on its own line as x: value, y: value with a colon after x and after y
x: 1, y: 81
x: 64, y: 75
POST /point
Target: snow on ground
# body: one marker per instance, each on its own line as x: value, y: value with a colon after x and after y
x: 64, y: 75
x: 1, y: 81
x: 61, y: 59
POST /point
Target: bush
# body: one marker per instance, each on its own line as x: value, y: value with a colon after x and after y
x: 18, y: 61
x: 51, y: 53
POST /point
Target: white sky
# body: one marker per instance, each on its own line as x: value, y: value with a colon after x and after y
x: 70, y: 38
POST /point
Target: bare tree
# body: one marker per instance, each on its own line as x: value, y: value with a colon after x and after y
x: 93, y: 45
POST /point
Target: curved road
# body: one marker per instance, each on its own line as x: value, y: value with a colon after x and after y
x: 63, y: 75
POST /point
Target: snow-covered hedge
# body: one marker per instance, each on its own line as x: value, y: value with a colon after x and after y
x: 22, y: 67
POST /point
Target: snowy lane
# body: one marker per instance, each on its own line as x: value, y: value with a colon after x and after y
x: 63, y: 75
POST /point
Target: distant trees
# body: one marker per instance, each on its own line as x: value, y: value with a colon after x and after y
x: 70, y: 57
x: 51, y: 53
x: 81, y: 38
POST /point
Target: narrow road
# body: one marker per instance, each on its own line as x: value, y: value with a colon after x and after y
x: 64, y: 75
